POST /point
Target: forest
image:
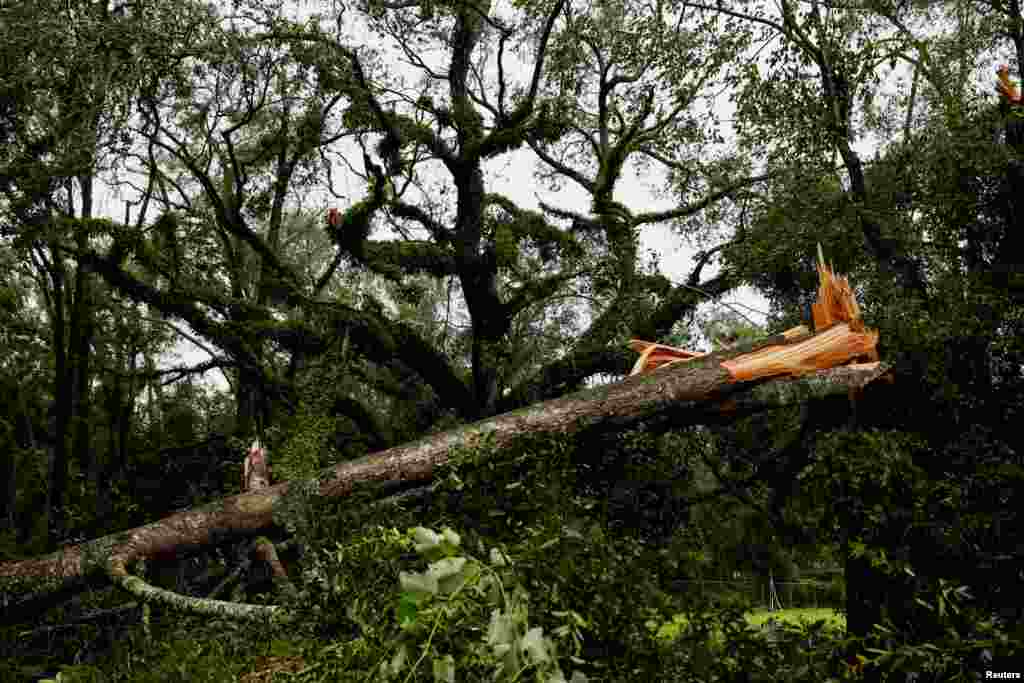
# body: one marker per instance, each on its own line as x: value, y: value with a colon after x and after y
x: 300, y: 385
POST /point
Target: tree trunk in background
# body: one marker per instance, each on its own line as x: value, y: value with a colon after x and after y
x: 57, y: 462
x: 119, y: 402
x: 9, y: 469
x: 25, y: 438
x: 127, y: 409
x: 156, y: 401
x: 1011, y: 250
x: 80, y: 352
x: 864, y: 600
x: 73, y: 325
x: 1010, y: 256
x: 100, y: 476
x: 83, y: 328
x: 251, y: 405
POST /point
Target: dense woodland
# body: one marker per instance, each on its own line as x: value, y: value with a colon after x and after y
x: 305, y: 196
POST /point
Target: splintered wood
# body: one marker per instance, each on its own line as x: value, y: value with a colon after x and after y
x: 655, y: 355
x: 840, y: 338
x: 836, y: 301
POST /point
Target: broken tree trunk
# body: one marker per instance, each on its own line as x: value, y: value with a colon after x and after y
x: 781, y: 370
x: 693, y: 392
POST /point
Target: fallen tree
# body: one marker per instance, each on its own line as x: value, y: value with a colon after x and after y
x: 668, y: 384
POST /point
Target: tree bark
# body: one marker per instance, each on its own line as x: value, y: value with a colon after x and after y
x: 694, y: 391
x: 57, y: 465
x: 80, y: 339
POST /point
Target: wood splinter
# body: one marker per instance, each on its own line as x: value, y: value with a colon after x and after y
x: 840, y: 338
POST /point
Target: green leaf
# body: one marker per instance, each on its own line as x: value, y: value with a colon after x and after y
x: 497, y: 558
x: 425, y: 539
x: 450, y: 536
x: 444, y: 669
x: 408, y: 608
x: 500, y: 632
x: 284, y: 648
x: 535, y: 646
x: 418, y: 582
x: 398, y: 661
x: 449, y: 566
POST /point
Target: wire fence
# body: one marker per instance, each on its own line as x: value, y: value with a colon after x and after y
x: 789, y: 594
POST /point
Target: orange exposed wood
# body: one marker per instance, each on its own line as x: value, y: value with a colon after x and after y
x: 1006, y: 87
x: 655, y: 355
x: 840, y: 338
x: 837, y: 345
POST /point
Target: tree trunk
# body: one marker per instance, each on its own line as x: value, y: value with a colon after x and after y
x: 864, y: 600
x: 1012, y: 245
x: 27, y: 449
x: 9, y: 473
x: 116, y: 467
x: 57, y: 466
x: 252, y: 405
x: 731, y: 383
x: 80, y: 353
x: 118, y: 411
x: 155, y: 401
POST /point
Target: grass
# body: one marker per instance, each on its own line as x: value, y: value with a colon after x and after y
x: 796, y: 616
x: 757, y: 618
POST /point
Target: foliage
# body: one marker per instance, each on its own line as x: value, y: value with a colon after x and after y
x: 307, y: 448
x: 544, y: 582
x: 172, y: 652
x: 967, y: 638
x: 459, y: 617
